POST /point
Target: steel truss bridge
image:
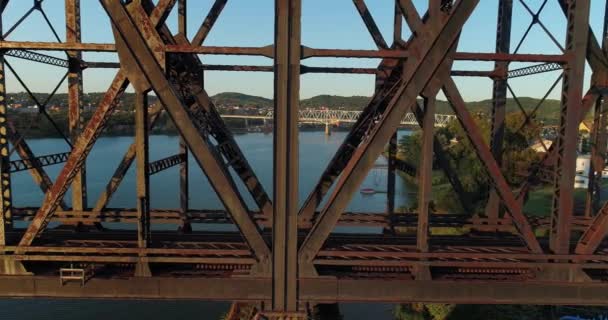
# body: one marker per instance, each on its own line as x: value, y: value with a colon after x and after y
x: 285, y: 258
x: 339, y: 116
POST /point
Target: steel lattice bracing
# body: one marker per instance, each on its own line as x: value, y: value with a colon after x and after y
x: 281, y: 252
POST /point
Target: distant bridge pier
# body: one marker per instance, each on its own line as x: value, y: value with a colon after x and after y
x: 327, y: 129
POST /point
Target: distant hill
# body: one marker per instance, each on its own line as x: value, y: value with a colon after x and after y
x: 235, y: 98
x: 350, y: 103
x: 549, y: 112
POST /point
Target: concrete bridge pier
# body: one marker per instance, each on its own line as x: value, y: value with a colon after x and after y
x: 327, y: 129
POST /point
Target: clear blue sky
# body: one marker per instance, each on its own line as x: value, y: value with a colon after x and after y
x: 325, y: 24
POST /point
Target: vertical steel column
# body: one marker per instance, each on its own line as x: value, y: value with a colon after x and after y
x: 390, y: 188
x: 75, y: 119
x: 392, y: 144
x: 286, y: 154
x: 397, y: 24
x: 425, y: 174
x: 182, y: 17
x: 5, y: 176
x: 599, y: 139
x: 598, y: 157
x: 184, y: 190
x: 499, y: 97
x: 572, y: 91
x: 143, y: 188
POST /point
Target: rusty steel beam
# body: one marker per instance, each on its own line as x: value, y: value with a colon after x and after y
x: 306, y: 69
x: 397, y: 25
x: 319, y: 290
x: 124, y: 165
x: 456, y: 101
x: 425, y: 174
x: 148, y: 65
x: 208, y: 23
x: 5, y: 174
x: 572, y: 91
x: 433, y: 47
x: 388, y: 73
x: 391, y: 178
x: 286, y: 154
x: 443, y: 160
x: 41, y: 178
x: 599, y: 141
x: 184, y: 182
x: 266, y: 51
x: 182, y: 17
x: 142, y: 169
x: 513, y: 207
x: 75, y: 104
x: 79, y: 153
x: 595, y: 233
x: 209, y: 121
x: 370, y: 24
x: 499, y: 97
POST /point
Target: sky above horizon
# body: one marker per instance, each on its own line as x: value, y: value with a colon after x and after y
x: 325, y: 24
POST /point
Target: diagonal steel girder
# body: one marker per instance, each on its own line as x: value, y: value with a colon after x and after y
x: 389, y: 72
x: 206, y: 115
x: 83, y: 146
x: 184, y: 70
x: 124, y: 165
x: 38, y: 173
x: 208, y: 23
x: 432, y: 44
x: 370, y: 24
x: 572, y: 90
x: 129, y: 29
x: 205, y: 112
x: 450, y: 90
x: 599, y: 65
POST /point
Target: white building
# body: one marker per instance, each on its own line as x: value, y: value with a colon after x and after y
x: 583, y: 163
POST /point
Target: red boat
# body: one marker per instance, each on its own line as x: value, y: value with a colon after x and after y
x: 368, y: 191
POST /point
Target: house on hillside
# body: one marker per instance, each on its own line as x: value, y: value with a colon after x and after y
x: 585, y: 127
x: 540, y: 147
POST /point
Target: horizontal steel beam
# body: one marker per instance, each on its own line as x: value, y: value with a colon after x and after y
x: 314, y: 290
x: 38, y: 162
x: 353, y: 219
x: 267, y: 51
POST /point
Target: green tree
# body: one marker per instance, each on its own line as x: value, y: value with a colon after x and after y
x: 409, y: 312
x: 517, y: 158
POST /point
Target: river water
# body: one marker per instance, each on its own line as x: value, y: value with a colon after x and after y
x: 316, y: 150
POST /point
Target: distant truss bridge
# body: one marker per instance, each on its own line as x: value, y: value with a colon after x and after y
x: 339, y: 116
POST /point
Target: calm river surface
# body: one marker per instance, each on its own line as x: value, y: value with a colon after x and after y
x: 315, y: 152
